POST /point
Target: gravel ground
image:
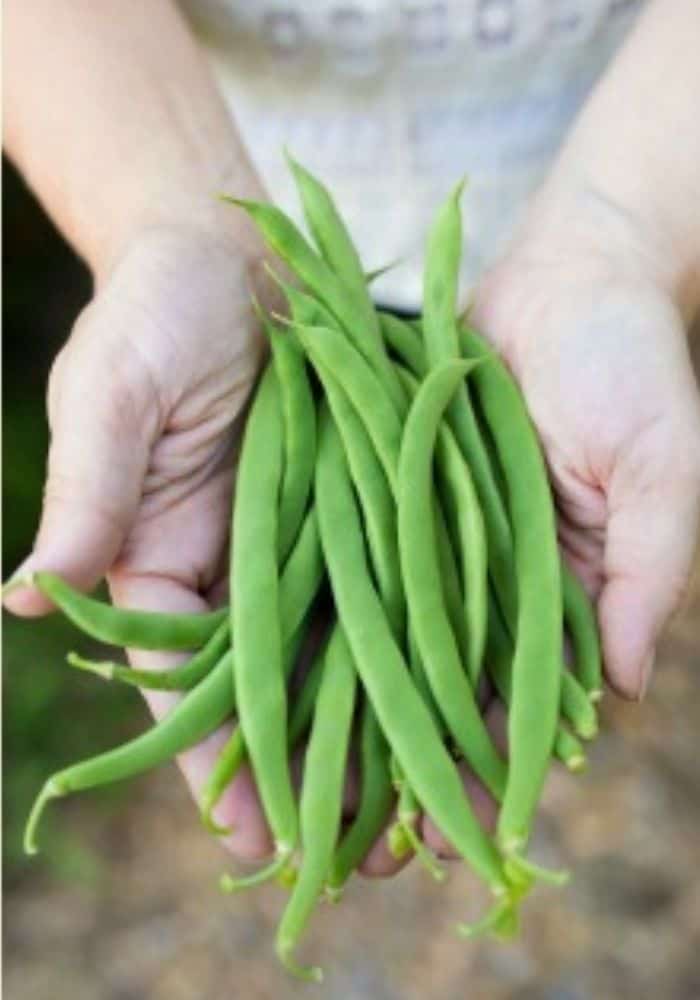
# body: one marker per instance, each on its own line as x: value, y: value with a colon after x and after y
x: 153, y: 925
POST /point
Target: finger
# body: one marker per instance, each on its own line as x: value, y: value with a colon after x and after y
x: 103, y: 420
x: 654, y: 508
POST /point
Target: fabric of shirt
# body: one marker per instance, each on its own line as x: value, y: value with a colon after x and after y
x: 390, y: 103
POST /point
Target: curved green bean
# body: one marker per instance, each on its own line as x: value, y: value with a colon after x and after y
x: 439, y: 327
x: 299, y: 412
x: 420, y: 568
x: 234, y: 752
x: 330, y: 351
x: 299, y: 583
x: 280, y: 233
x: 376, y: 500
x: 321, y: 802
x: 180, y: 678
x: 259, y: 673
x: 537, y: 662
x: 462, y: 505
x: 334, y: 243
x: 376, y: 796
x: 499, y: 654
x: 577, y: 707
x: 124, y: 626
x: 582, y: 625
x: 404, y: 342
x: 197, y: 715
x: 579, y: 615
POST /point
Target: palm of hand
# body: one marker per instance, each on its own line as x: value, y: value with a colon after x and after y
x: 602, y: 359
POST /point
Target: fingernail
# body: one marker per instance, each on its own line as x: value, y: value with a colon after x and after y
x: 647, y: 670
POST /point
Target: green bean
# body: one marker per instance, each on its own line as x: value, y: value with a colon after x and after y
x: 577, y: 707
x: 233, y: 752
x: 403, y: 716
x: 180, y: 678
x: 280, y: 233
x: 304, y: 308
x: 197, y: 715
x: 408, y: 815
x: 328, y: 350
x: 375, y: 498
x: 334, y: 243
x: 299, y: 584
x: 402, y: 836
x: 321, y: 797
x: 462, y: 504
x: 569, y: 750
x: 301, y: 577
x: 441, y: 281
x: 536, y: 686
x: 442, y: 344
x: 420, y: 569
x: 302, y: 709
x: 578, y: 613
x: 404, y: 342
x: 499, y: 656
x: 580, y: 619
x: 126, y: 627
x: 376, y: 795
x: 259, y: 674
x: 451, y: 586
x: 299, y: 413
x: 573, y: 699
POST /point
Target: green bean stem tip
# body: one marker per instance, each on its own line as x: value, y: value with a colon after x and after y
x: 311, y: 973
x: 103, y: 669
x: 576, y: 763
x: 522, y: 873
x: 229, y: 884
x: 587, y: 729
x: 206, y: 807
x: 51, y: 790
x: 595, y: 695
x: 398, y: 841
x: 424, y: 855
x: 501, y: 922
x: 334, y: 893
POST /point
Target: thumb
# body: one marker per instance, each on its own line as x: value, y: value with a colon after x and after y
x: 650, y: 544
x: 102, y: 416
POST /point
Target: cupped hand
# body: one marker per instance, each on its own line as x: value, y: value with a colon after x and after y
x: 581, y: 312
x: 142, y: 404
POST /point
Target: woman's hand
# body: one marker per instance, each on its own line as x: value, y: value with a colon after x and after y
x: 142, y: 402
x: 581, y: 313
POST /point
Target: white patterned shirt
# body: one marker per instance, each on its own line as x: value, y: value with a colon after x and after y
x: 392, y: 102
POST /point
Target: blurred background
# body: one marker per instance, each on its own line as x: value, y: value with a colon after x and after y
x: 122, y: 904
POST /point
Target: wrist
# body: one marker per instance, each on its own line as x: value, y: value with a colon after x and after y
x: 577, y: 215
x: 187, y: 202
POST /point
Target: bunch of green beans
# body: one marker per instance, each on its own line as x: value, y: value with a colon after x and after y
x: 393, y: 465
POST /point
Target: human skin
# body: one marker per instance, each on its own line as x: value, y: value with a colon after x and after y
x: 111, y: 116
